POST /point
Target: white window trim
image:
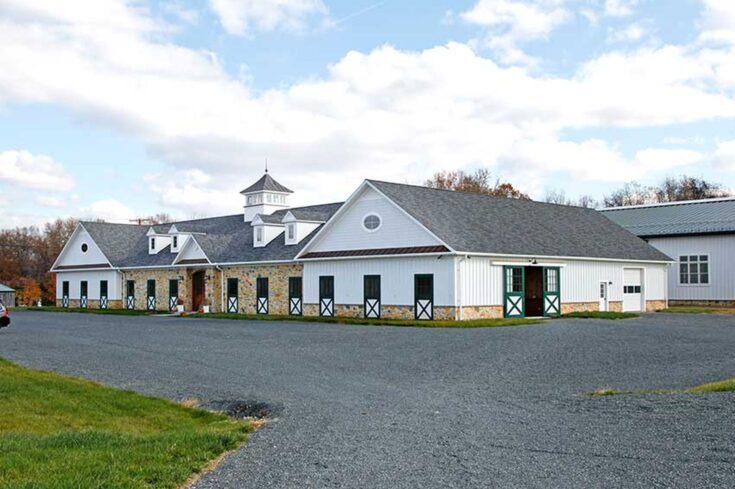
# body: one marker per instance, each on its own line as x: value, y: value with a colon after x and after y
x: 259, y: 234
x: 291, y: 231
x: 362, y: 223
x: 678, y: 270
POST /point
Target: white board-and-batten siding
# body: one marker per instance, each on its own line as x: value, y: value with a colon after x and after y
x: 396, y: 279
x: 93, y: 278
x: 481, y: 282
x: 721, y: 252
x: 73, y: 255
x: 397, y: 230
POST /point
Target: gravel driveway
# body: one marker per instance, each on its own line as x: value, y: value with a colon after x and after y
x: 385, y: 407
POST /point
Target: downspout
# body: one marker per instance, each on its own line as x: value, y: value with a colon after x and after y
x: 221, y: 288
x: 458, y: 282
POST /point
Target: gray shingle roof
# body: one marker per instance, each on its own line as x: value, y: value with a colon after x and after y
x: 226, y: 239
x: 5, y: 288
x: 677, y: 218
x: 471, y: 222
x: 266, y: 182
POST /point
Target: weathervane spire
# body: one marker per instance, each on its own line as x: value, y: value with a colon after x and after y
x: 266, y: 165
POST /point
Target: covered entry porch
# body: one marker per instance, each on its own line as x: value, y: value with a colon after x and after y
x: 531, y: 291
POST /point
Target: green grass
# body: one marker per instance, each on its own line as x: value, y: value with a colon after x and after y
x: 601, y: 315
x: 476, y: 323
x: 727, y: 385
x: 63, y: 432
x: 89, y: 310
x: 698, y: 310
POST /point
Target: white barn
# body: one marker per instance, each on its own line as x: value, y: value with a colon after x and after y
x: 390, y: 250
x: 699, y: 235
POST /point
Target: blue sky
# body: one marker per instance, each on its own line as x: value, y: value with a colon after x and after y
x: 123, y: 108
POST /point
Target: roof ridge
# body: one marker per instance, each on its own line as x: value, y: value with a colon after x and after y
x: 712, y: 200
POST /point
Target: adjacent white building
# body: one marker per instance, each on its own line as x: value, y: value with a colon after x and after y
x: 699, y: 235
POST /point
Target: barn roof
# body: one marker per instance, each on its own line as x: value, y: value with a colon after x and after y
x: 677, y: 218
x: 226, y: 239
x: 5, y: 288
x: 267, y: 183
x: 477, y: 223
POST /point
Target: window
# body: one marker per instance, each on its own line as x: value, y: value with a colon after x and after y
x: 552, y: 280
x: 85, y: 247
x: 631, y: 289
x: 250, y: 200
x: 291, y: 231
x: 83, y: 288
x: 514, y: 279
x: 153, y: 243
x: 131, y: 288
x: 176, y: 241
x: 259, y: 234
x: 103, y: 288
x: 694, y: 270
x: 65, y: 288
x: 371, y: 222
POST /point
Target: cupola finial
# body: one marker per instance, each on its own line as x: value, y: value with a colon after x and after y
x: 266, y: 165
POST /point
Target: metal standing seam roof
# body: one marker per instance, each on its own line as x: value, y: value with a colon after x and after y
x: 5, y: 288
x: 677, y: 218
x: 226, y: 239
x: 478, y: 223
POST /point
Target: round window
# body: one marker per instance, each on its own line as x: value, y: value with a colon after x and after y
x: 371, y: 222
x: 84, y: 247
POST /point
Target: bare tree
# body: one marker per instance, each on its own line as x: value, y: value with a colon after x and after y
x: 479, y: 182
x: 557, y: 196
x: 671, y: 189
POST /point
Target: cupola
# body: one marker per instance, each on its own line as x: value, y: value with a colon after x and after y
x: 265, y: 197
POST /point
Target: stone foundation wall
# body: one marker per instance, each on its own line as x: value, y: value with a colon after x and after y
x: 714, y: 303
x: 653, y: 306
x: 567, y: 307
x: 615, y: 306
x: 92, y: 303
x: 277, y: 275
x: 481, y: 312
x: 386, y: 311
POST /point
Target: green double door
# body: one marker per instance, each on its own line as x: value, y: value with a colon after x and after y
x: 514, y: 291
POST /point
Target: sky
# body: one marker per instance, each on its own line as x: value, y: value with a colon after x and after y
x: 116, y: 109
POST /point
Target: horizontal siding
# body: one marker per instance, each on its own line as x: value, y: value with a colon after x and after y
x: 93, y: 278
x: 397, y: 229
x: 721, y: 250
x: 73, y: 254
x: 396, y: 279
x: 482, y: 282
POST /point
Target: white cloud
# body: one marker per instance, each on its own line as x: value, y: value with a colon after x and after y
x: 718, y: 19
x: 632, y: 33
x: 515, y: 21
x: 109, y: 210
x: 243, y: 16
x: 33, y: 171
x: 49, y: 201
x: 724, y: 155
x: 620, y: 8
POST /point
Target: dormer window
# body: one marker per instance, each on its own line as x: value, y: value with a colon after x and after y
x: 153, y: 243
x: 291, y: 232
x: 176, y: 242
x: 259, y: 234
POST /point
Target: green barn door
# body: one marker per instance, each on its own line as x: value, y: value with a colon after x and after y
x: 552, y: 291
x: 514, y: 292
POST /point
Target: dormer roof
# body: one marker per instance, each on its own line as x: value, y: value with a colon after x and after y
x: 267, y: 184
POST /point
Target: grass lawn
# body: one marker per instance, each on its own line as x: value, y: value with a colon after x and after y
x: 477, y: 323
x: 601, y: 315
x: 727, y: 385
x: 699, y: 310
x: 62, y: 432
x: 89, y: 310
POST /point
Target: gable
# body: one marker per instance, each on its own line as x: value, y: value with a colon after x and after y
x: 191, y: 252
x: 397, y: 230
x: 73, y: 255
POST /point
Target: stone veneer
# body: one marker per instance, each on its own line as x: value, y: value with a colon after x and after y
x: 91, y: 304
x: 567, y: 307
x: 277, y: 275
x: 653, y: 306
x: 481, y: 312
x: 703, y: 303
x: 386, y: 311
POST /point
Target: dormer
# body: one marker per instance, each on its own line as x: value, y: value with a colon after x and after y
x: 299, y: 226
x: 157, y: 241
x: 178, y: 239
x: 264, y: 197
x: 265, y: 229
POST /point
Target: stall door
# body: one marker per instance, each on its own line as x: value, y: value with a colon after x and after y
x: 423, y: 285
x: 372, y: 296
x: 198, y: 289
x: 514, y: 291
x: 326, y: 296
x: 151, y: 295
x: 632, y: 289
x: 173, y: 294
x: 65, y: 293
x: 261, y: 303
x: 104, y: 300
x: 83, y: 294
x: 552, y: 292
x: 130, y: 294
x: 295, y: 296
x: 233, y: 305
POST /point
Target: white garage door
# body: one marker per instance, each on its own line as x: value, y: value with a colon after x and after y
x: 632, y: 288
